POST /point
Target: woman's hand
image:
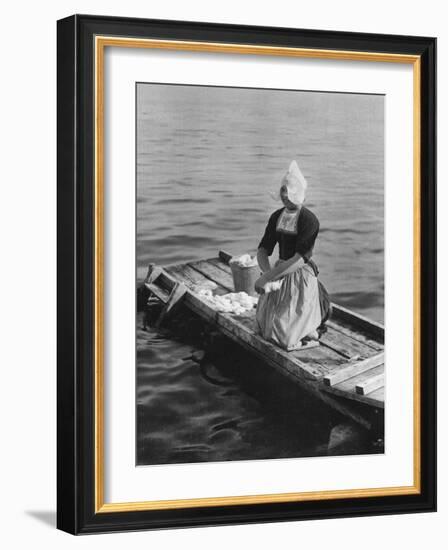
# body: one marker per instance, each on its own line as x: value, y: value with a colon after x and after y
x: 259, y: 284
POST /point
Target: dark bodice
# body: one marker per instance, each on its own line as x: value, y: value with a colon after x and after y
x: 289, y: 244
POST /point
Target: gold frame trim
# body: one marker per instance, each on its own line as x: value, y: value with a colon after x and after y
x: 101, y: 42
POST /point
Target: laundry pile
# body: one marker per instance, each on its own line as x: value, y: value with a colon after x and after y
x: 245, y: 260
x: 234, y: 302
x: 206, y: 286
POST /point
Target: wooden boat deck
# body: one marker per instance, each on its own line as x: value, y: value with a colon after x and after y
x: 347, y: 365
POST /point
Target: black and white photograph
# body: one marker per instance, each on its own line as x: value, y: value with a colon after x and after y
x: 260, y: 274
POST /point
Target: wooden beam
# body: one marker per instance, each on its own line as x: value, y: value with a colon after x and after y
x: 161, y: 294
x: 224, y: 256
x: 374, y: 399
x: 370, y: 385
x: 357, y: 320
x: 175, y: 296
x: 353, y: 369
x: 153, y: 272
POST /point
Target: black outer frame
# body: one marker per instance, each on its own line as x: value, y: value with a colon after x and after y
x: 75, y: 297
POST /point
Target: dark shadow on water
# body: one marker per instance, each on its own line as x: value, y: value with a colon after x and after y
x: 47, y: 517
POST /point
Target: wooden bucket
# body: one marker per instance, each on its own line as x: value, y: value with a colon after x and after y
x: 244, y: 278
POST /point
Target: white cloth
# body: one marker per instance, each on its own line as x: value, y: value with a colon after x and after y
x: 296, y: 183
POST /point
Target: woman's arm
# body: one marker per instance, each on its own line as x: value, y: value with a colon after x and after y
x: 263, y: 260
x: 289, y: 266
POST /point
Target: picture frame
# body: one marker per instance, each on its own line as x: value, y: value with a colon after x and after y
x: 82, y: 200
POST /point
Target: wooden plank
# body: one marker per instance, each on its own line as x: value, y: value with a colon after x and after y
x: 350, y: 370
x: 374, y: 399
x: 349, y: 347
x: 356, y: 320
x: 322, y: 360
x: 338, y: 349
x: 378, y: 395
x: 221, y: 265
x: 158, y: 273
x: 368, y: 400
x: 214, y: 274
x: 350, y: 384
x: 153, y: 272
x: 225, y: 257
x: 357, y: 335
x: 370, y: 385
x: 186, y: 274
x: 191, y: 277
x: 161, y: 294
x: 326, y: 357
x: 166, y: 278
x: 177, y: 293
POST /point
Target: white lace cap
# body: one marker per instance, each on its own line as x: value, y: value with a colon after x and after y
x: 296, y: 184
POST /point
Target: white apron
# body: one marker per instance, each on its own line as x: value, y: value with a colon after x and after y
x: 287, y: 315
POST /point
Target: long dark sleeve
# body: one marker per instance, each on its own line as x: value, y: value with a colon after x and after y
x: 307, y: 233
x: 269, y: 239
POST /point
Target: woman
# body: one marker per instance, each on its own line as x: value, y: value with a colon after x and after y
x: 293, y: 304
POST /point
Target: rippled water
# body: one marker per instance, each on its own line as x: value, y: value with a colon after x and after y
x: 207, y: 159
